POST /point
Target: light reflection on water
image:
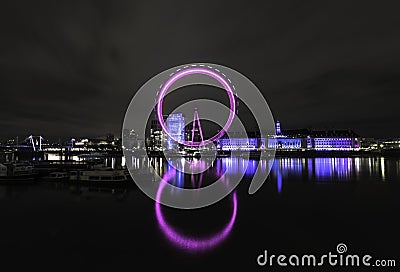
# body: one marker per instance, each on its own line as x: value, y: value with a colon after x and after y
x: 320, y: 170
x: 315, y: 170
x: 283, y: 171
x: 193, y: 231
x: 181, y: 240
x: 326, y: 170
x: 312, y: 169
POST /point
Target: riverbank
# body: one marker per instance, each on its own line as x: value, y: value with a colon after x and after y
x: 300, y: 154
x: 315, y: 153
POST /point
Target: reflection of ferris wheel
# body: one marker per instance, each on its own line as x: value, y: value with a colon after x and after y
x: 188, y: 242
x: 227, y: 86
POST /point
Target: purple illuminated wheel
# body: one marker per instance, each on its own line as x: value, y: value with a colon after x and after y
x: 188, y: 242
x: 191, y: 71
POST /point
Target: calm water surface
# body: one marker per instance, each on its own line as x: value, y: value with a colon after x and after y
x: 307, y: 205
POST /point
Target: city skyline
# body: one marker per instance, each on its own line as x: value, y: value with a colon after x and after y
x: 291, y: 132
x: 65, y: 138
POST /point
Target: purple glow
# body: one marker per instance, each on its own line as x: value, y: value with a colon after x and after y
x: 233, y: 144
x: 192, y: 179
x: 191, y: 71
x: 329, y: 168
x: 278, y: 128
x: 282, y: 142
x: 176, y: 126
x: 187, y: 242
x: 333, y: 144
x: 279, y: 181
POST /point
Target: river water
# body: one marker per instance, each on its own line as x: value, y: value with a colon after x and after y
x: 307, y: 205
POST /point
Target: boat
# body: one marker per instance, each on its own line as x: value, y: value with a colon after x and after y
x: 57, y: 176
x: 17, y: 172
x: 101, y: 175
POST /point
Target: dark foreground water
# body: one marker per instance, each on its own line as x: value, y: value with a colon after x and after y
x: 307, y: 206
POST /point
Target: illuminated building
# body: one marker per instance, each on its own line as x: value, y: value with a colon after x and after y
x: 285, y: 140
x: 339, y: 140
x: 280, y: 141
x: 176, y: 128
x: 389, y: 144
x: 320, y: 140
x: 237, y: 142
x: 278, y: 128
x: 333, y: 144
x: 156, y: 141
x: 131, y: 140
x: 285, y: 143
x: 110, y: 138
x: 234, y: 144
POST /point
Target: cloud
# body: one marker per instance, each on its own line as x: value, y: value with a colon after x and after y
x: 79, y: 63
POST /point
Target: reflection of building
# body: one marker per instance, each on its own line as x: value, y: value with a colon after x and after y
x: 176, y: 128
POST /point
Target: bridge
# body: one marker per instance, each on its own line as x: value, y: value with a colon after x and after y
x: 33, y: 143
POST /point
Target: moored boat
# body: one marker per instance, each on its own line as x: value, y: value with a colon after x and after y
x: 101, y: 175
x: 57, y: 176
x: 17, y: 172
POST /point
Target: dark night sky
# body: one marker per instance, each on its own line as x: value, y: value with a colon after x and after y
x: 70, y: 69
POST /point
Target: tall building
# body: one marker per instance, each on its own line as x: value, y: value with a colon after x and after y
x: 156, y: 141
x: 110, y: 138
x: 176, y: 127
x: 130, y: 139
x: 280, y: 141
x: 278, y: 128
